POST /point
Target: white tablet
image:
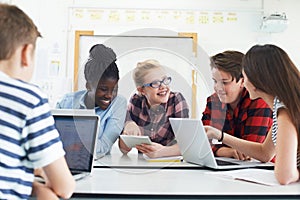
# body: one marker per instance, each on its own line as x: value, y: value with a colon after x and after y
x: 131, y: 141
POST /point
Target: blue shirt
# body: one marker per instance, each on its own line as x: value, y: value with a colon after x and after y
x: 111, y: 119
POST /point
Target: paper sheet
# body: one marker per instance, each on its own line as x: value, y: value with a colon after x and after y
x: 260, y: 176
x: 164, y: 159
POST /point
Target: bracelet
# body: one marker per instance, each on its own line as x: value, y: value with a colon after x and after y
x: 222, y: 136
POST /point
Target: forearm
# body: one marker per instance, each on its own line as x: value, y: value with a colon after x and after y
x: 286, y: 173
x: 60, y: 180
x: 253, y: 149
x: 123, y: 148
x: 103, y: 147
x: 216, y: 147
x: 170, y: 151
x: 111, y: 132
x: 286, y: 170
x: 41, y: 192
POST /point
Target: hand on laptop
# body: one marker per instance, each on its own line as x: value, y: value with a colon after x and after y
x: 212, y: 133
x: 231, y: 153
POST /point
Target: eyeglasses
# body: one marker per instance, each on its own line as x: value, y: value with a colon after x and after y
x: 157, y: 84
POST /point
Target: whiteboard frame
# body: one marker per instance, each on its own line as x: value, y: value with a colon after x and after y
x: 193, y: 36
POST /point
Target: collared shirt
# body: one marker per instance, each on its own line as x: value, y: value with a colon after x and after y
x: 111, y: 119
x: 250, y: 120
x: 155, y: 122
x: 28, y: 138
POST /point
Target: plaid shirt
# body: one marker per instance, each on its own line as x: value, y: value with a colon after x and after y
x: 250, y: 120
x: 155, y: 122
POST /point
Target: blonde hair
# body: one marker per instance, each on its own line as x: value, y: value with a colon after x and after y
x: 142, y: 69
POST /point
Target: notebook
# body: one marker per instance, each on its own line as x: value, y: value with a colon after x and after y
x: 79, y: 135
x: 195, y: 147
x: 131, y: 140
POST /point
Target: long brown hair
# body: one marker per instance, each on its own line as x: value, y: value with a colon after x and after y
x: 270, y: 69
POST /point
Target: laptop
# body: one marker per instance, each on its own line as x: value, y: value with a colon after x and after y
x: 195, y: 147
x: 59, y: 111
x: 79, y: 135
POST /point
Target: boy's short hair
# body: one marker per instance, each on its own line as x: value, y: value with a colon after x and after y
x: 230, y: 62
x: 16, y: 29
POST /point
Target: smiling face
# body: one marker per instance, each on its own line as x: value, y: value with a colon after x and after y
x: 103, y: 94
x: 155, y: 96
x: 226, y: 87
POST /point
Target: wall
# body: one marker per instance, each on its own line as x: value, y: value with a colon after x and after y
x: 232, y: 24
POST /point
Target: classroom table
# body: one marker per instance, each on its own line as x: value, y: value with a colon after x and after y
x: 130, y: 176
x: 135, y: 160
x: 174, y: 183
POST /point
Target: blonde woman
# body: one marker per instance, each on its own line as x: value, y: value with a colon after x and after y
x: 149, y: 111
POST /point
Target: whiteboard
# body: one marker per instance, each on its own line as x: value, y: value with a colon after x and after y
x: 175, y: 53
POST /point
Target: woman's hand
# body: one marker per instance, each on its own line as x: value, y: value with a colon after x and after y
x: 231, y: 153
x: 153, y: 150
x: 131, y: 128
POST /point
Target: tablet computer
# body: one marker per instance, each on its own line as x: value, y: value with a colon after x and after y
x: 131, y: 140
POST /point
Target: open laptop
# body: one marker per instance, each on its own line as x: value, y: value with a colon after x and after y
x: 59, y: 111
x: 195, y: 147
x: 79, y: 135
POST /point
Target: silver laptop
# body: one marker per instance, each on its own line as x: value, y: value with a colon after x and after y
x: 59, y: 111
x: 195, y: 147
x: 79, y: 135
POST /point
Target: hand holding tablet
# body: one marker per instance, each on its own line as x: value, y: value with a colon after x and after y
x: 131, y: 140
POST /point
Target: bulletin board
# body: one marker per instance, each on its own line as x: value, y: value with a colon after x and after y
x: 175, y: 52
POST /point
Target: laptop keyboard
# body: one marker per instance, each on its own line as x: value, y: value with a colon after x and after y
x: 222, y: 163
x: 75, y: 173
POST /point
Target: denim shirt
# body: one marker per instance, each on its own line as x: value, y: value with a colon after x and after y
x: 111, y: 119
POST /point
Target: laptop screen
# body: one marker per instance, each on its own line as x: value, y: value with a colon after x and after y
x: 78, y: 135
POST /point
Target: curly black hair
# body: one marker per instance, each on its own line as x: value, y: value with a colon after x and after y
x: 101, y: 64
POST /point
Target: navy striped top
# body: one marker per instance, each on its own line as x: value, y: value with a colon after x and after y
x: 28, y: 138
